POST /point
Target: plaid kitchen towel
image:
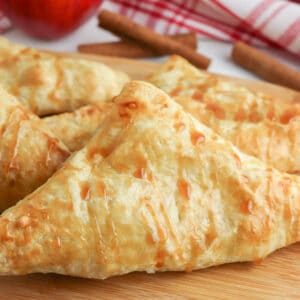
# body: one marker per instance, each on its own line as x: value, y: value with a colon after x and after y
x: 258, y: 22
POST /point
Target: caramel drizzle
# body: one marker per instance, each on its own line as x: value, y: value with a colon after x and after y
x: 176, y: 91
x: 161, y: 253
x: 246, y: 207
x: 288, y: 115
x: 99, y: 247
x: 142, y: 171
x: 16, y: 117
x: 53, y: 147
x: 85, y: 192
x: 271, y: 113
x: 217, y: 110
x: 52, y: 143
x: 126, y: 108
x: 197, y: 95
x: 171, y: 229
x: 184, y: 189
x: 240, y: 115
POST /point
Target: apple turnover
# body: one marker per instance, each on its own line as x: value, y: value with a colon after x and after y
x: 48, y: 84
x: 29, y: 152
x: 153, y: 190
x: 224, y: 99
x: 256, y: 123
x: 74, y: 129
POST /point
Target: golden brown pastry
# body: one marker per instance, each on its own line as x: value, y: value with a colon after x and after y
x: 47, y: 84
x: 29, y: 152
x: 272, y: 142
x: 153, y: 190
x: 257, y: 125
x: 224, y: 99
x: 76, y: 128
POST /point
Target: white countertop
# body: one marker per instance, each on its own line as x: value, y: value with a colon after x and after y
x: 90, y: 33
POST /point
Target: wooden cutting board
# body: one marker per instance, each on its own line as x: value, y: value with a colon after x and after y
x: 277, y: 277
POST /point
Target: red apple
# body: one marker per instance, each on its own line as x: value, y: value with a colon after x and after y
x: 49, y: 19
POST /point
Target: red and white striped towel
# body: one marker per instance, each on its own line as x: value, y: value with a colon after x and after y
x: 258, y: 22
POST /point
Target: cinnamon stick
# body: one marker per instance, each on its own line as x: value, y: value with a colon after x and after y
x: 265, y: 66
x: 123, y: 26
x: 132, y: 49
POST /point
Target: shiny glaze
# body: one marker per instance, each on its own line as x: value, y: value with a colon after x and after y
x: 85, y: 191
x: 176, y: 91
x: 197, y: 95
x: 184, y: 188
x: 179, y: 126
x: 240, y: 115
x: 216, y: 109
x: 125, y: 108
x: 288, y: 115
x: 246, y: 207
x: 101, y: 189
x: 197, y: 138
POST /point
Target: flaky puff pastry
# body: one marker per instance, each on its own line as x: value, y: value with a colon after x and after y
x: 29, y: 152
x: 264, y: 127
x: 74, y: 129
x: 48, y: 84
x: 272, y: 142
x: 153, y: 190
x: 224, y: 99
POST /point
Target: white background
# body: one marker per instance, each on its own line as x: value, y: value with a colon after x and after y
x: 90, y: 33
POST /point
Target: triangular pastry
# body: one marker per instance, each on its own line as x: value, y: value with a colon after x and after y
x: 48, y: 84
x: 224, y: 99
x: 74, y: 129
x: 29, y: 152
x: 258, y: 125
x: 153, y: 190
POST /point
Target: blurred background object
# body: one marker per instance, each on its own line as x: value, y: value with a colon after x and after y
x: 257, y: 22
x: 47, y: 19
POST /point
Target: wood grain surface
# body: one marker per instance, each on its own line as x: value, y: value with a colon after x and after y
x: 276, y: 277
